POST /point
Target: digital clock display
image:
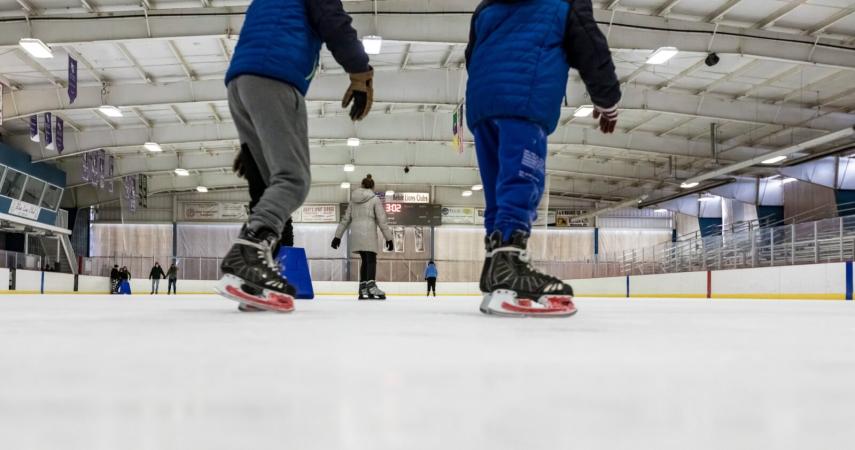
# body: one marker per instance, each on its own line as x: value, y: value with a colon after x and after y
x: 410, y: 214
x: 393, y: 208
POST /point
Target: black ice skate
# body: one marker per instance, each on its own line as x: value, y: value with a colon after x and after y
x: 374, y: 292
x: 515, y: 288
x: 490, y: 242
x: 363, y: 290
x: 251, y: 277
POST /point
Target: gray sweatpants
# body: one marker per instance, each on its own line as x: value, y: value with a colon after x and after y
x: 271, y: 120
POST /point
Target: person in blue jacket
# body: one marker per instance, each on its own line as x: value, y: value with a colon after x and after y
x: 274, y: 62
x: 431, y: 274
x: 518, y: 59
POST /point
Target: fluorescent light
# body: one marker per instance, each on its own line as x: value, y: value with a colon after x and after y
x: 584, y: 111
x: 110, y: 111
x: 662, y: 55
x: 390, y: 193
x: 153, y: 147
x: 36, y: 48
x: 201, y: 189
x: 688, y: 185
x: 353, y: 142
x: 788, y: 180
x: 708, y: 198
x: 477, y: 187
x: 775, y: 160
x: 372, y: 44
x: 466, y: 193
x: 660, y: 211
x: 182, y: 172
x: 345, y: 185
x: 349, y: 167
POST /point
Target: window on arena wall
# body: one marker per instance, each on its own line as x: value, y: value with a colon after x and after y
x: 13, y: 184
x: 51, y: 198
x: 33, y: 190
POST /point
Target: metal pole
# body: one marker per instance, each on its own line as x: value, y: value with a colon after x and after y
x: 793, y: 244
x: 771, y: 246
x: 815, y: 244
x: 840, y: 232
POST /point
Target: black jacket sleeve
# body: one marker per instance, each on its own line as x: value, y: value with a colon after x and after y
x: 332, y: 24
x: 588, y: 52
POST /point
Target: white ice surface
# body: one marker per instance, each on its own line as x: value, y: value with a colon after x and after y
x: 120, y: 373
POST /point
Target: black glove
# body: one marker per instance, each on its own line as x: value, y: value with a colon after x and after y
x: 361, y: 93
x: 607, y: 117
x: 390, y: 246
x: 335, y: 243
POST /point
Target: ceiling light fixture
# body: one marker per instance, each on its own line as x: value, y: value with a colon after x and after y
x: 201, y: 189
x: 688, y: 185
x: 372, y: 44
x: 660, y: 211
x: 584, y: 111
x: 182, y: 172
x: 153, y: 147
x: 477, y: 187
x: 36, y: 48
x: 774, y: 160
x: 662, y: 55
x: 110, y: 111
x: 349, y: 167
x: 390, y: 193
x: 345, y: 185
x: 353, y: 142
x: 788, y: 180
x: 466, y: 193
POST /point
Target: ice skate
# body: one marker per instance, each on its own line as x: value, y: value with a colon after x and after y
x: 515, y: 288
x: 363, y: 290
x: 374, y: 292
x: 251, y: 277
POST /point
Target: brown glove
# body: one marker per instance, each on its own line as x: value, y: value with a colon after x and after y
x: 607, y: 117
x: 361, y: 93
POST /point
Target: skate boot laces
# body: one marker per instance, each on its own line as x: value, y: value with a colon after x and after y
x: 263, y: 251
x: 555, y: 285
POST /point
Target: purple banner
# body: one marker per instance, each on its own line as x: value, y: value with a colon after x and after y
x: 48, y: 132
x: 72, y: 79
x: 34, y: 128
x: 60, y: 131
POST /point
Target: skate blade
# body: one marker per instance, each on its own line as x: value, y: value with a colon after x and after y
x: 504, y: 303
x: 279, y: 302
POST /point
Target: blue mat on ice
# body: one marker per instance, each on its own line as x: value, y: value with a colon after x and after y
x: 295, y: 267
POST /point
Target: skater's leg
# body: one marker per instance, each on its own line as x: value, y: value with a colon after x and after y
x: 487, y: 149
x: 363, y: 267
x: 156, y: 285
x: 371, y: 266
x: 272, y: 121
x: 522, y: 172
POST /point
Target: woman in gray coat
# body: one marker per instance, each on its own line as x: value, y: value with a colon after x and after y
x: 364, y: 215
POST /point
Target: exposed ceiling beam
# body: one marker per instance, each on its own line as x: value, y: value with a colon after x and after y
x: 130, y: 58
x: 26, y: 59
x: 178, y: 115
x: 141, y: 117
x: 666, y: 8
x: 25, y: 5
x: 770, y: 20
x: 181, y: 61
x: 824, y: 25
x: 722, y: 11
x: 87, y: 6
x: 88, y: 65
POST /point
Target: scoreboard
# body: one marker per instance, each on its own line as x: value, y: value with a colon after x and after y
x: 410, y: 214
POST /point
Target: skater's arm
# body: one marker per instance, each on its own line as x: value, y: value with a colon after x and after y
x: 380, y: 219
x: 333, y: 24
x: 588, y: 52
x: 345, y: 222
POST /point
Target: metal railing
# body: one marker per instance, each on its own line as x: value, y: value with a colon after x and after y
x: 15, y: 260
x: 821, y: 241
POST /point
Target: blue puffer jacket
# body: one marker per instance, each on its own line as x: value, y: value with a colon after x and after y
x: 277, y: 41
x: 518, y: 66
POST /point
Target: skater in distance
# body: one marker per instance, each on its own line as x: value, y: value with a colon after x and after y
x: 431, y: 274
x: 155, y: 275
x: 365, y: 214
x: 518, y: 59
x: 273, y: 64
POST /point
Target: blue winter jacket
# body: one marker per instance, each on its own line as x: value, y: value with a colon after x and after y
x: 520, y: 53
x: 281, y: 39
x: 431, y: 272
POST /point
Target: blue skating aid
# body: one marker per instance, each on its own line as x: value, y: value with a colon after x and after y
x: 295, y: 267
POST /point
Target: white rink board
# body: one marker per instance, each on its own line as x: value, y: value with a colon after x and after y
x: 58, y: 283
x: 4, y: 280
x: 676, y: 285
x: 93, y: 285
x: 29, y: 281
x: 599, y: 287
x: 820, y: 281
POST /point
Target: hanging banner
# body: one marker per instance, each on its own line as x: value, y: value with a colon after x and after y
x: 72, y: 79
x: 2, y: 90
x: 60, y: 132
x: 110, y: 163
x: 319, y: 214
x: 34, y: 128
x: 48, y: 132
x: 457, y: 128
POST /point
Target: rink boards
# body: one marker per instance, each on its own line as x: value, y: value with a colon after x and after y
x: 833, y: 281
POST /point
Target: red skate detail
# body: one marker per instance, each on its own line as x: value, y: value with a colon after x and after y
x: 525, y: 303
x: 526, y: 308
x: 274, y: 302
x: 560, y: 300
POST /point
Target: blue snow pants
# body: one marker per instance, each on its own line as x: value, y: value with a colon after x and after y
x: 512, y: 160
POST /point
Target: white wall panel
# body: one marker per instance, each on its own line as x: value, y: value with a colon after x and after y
x: 600, y: 287
x: 4, y: 280
x: 93, y: 285
x: 58, y: 283
x: 677, y: 285
x: 28, y: 281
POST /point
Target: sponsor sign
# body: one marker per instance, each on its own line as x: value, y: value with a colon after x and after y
x: 25, y: 210
x: 317, y: 214
x: 202, y: 211
x: 458, y: 215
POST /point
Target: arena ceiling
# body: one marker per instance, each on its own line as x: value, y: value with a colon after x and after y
x: 786, y: 74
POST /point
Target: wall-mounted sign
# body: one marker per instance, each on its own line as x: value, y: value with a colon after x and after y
x: 25, y: 210
x: 410, y: 214
x: 406, y: 197
x: 317, y: 214
x: 458, y: 215
x: 214, y: 211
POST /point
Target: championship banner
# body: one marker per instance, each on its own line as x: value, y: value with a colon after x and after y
x: 60, y: 131
x: 72, y: 79
x: 48, y: 132
x: 34, y: 128
x: 457, y: 128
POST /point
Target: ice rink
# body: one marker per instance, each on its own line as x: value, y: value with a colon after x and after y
x: 129, y: 373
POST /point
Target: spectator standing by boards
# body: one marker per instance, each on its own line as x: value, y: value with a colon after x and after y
x: 431, y: 275
x: 114, y: 279
x: 155, y: 275
x: 172, y: 279
x: 124, y: 281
